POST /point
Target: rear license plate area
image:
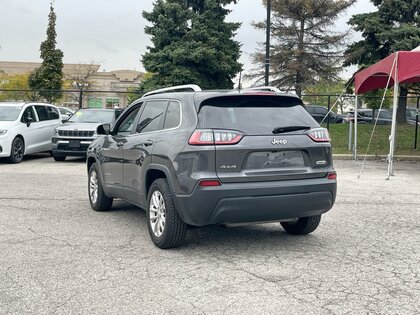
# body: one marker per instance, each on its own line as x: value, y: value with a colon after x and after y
x: 274, y: 159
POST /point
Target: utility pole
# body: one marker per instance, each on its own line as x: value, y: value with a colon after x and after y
x: 267, y: 44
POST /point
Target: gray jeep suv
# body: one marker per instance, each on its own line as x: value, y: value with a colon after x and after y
x: 205, y: 157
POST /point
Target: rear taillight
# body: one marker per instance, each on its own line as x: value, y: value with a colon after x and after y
x: 332, y: 176
x: 209, y: 137
x: 209, y: 183
x: 319, y: 135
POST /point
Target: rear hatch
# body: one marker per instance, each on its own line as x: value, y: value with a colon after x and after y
x: 263, y: 138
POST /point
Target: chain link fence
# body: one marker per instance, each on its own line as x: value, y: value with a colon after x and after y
x: 332, y: 104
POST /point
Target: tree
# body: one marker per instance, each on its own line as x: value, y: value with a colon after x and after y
x: 18, y: 88
x: 79, y: 76
x: 324, y: 90
x: 394, y: 26
x: 192, y: 43
x: 304, y: 48
x: 47, y: 79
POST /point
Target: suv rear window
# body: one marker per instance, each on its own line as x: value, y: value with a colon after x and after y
x: 253, y: 115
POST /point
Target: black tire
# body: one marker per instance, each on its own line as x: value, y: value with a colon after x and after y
x: 17, y: 150
x: 102, y: 202
x: 174, y: 229
x: 302, y: 226
x: 58, y: 158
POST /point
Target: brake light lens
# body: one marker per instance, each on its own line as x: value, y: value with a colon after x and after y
x: 319, y: 135
x: 218, y: 137
x: 332, y: 176
x: 209, y: 183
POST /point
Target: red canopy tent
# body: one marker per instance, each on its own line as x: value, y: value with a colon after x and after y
x: 400, y: 67
x: 376, y: 76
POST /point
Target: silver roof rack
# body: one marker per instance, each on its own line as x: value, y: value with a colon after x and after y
x: 178, y: 88
x: 264, y: 88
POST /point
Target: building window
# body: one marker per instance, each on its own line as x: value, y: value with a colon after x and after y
x: 94, y: 102
x: 112, y: 102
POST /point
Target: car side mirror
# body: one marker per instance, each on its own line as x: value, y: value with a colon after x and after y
x: 104, y: 129
x: 29, y: 121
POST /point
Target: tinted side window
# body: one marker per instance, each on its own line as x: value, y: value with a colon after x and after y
x: 52, y: 113
x: 118, y: 112
x: 151, y: 118
x: 365, y: 114
x: 310, y: 109
x: 29, y: 112
x: 173, y: 115
x: 385, y: 115
x: 42, y: 112
x: 124, y: 129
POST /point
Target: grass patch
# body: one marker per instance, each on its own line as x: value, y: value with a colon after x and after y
x: 380, y: 143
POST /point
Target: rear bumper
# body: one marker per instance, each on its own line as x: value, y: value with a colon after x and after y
x: 257, y: 202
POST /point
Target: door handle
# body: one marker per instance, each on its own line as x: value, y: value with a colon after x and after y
x: 120, y: 144
x: 148, y: 143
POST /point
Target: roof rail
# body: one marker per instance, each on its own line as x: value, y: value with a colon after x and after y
x: 178, y: 88
x: 265, y: 88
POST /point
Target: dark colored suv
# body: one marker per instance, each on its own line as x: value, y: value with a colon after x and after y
x: 201, y: 157
x: 319, y: 113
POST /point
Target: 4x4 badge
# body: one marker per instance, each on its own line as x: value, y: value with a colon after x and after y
x: 279, y: 141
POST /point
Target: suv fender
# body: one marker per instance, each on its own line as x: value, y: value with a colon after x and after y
x: 91, y: 160
x: 157, y: 167
x: 170, y: 178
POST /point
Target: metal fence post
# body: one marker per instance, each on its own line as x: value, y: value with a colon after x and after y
x: 329, y: 114
x: 350, y: 135
x: 417, y: 123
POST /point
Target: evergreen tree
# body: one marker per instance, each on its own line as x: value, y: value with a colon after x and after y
x: 394, y: 26
x: 192, y: 43
x: 48, y: 77
x: 304, y: 48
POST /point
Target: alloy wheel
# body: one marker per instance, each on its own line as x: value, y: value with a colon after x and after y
x: 93, y: 187
x: 157, y: 213
x: 18, y: 149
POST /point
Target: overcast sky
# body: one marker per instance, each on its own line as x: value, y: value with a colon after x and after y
x: 111, y: 32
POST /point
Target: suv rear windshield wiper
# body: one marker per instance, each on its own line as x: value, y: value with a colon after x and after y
x: 289, y: 128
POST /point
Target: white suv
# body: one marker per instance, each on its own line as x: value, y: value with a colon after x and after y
x: 26, y: 128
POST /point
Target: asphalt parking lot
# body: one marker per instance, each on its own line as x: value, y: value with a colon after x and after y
x: 59, y: 256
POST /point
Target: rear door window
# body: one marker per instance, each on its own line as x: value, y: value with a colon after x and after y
x: 253, y: 115
x: 151, y: 118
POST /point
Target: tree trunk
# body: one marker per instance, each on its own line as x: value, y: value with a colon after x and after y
x: 402, y: 105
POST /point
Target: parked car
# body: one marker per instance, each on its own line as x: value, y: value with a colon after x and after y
x: 74, y: 137
x: 365, y: 116
x: 65, y: 113
x: 411, y: 115
x: 200, y: 157
x: 319, y: 113
x: 26, y: 128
